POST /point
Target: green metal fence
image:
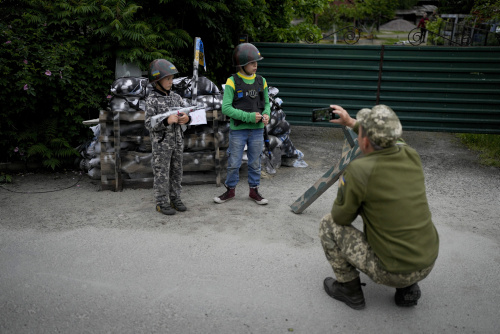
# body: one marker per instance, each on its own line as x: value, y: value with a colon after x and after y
x: 446, y: 89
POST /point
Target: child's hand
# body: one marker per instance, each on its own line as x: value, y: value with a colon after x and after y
x: 173, y: 119
x: 183, y: 118
x: 258, y: 117
x: 265, y: 119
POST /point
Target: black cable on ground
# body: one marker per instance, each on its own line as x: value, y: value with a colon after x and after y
x: 45, y: 191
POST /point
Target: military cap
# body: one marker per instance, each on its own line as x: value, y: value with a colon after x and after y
x: 381, y: 124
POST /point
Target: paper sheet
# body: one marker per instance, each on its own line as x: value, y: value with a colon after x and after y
x: 198, y: 117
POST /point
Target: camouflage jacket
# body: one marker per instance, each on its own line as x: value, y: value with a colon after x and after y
x: 158, y: 103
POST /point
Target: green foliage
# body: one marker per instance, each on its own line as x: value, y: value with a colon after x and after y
x: 5, y: 178
x: 309, y: 9
x: 57, y: 59
x: 434, y: 28
x: 49, y: 76
x: 486, y: 10
x: 369, y: 11
x: 330, y: 16
x: 407, y: 4
x: 456, y: 6
x: 487, y: 144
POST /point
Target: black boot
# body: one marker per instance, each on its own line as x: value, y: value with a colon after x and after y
x: 348, y: 292
x: 176, y: 203
x: 165, y: 209
x: 408, y: 296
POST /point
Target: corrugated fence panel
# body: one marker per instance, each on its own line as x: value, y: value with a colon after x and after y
x: 430, y: 88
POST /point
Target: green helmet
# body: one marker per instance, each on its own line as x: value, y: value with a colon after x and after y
x: 245, y: 53
x: 159, y: 69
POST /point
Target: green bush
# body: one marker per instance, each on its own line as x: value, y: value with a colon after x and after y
x: 50, y: 82
x: 434, y: 28
x: 57, y: 63
x: 57, y: 59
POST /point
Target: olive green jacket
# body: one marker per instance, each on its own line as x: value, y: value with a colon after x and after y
x: 387, y: 189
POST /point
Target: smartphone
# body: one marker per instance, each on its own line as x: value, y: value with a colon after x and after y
x: 323, y: 114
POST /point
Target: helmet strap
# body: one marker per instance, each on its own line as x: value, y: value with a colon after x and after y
x: 243, y: 69
x: 163, y: 88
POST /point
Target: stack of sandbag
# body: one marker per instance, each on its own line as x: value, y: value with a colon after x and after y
x: 201, y: 137
x: 128, y: 102
x: 89, y: 160
x: 283, y: 152
x: 128, y: 95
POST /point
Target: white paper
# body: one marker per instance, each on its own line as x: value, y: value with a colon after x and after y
x: 198, y: 117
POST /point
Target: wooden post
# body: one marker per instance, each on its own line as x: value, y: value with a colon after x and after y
x: 118, y: 161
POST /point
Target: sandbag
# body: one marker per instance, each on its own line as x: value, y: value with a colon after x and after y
x: 127, y: 104
x: 130, y: 86
x: 184, y: 87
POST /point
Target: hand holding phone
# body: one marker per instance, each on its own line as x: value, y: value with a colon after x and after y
x: 323, y: 114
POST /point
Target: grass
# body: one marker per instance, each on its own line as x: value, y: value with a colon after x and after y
x: 487, y: 145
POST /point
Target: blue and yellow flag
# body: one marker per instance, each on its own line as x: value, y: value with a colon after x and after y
x: 200, y: 53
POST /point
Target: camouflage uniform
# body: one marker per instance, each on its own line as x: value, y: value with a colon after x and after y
x: 167, y: 146
x: 346, y: 249
x: 399, y: 244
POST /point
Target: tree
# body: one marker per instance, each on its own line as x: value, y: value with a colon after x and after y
x: 407, y: 4
x: 58, y: 57
x: 373, y: 11
x: 456, y: 6
x: 486, y: 10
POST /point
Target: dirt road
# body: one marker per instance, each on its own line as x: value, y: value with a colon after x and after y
x: 80, y: 260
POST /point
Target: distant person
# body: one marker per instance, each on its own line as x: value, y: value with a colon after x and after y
x: 385, y: 186
x: 422, y: 25
x: 246, y: 102
x: 167, y: 138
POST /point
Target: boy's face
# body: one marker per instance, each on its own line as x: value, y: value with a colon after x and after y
x: 167, y: 81
x: 251, y: 68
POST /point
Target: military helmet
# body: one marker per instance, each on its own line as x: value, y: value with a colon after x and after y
x: 381, y: 124
x: 245, y: 53
x: 159, y: 69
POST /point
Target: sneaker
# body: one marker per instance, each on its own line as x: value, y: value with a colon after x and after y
x: 176, y: 203
x: 254, y: 194
x: 165, y: 209
x: 229, y: 194
x: 348, y: 292
x: 408, y: 296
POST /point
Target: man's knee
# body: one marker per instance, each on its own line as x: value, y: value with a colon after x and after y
x: 325, y: 226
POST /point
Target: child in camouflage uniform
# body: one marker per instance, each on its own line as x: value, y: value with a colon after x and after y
x: 167, y: 138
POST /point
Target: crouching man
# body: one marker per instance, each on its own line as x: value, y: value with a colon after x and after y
x: 385, y: 186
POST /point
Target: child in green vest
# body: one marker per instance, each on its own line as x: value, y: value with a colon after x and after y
x: 246, y: 102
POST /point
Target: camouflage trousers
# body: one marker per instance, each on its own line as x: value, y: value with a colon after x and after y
x: 347, y: 251
x: 167, y: 167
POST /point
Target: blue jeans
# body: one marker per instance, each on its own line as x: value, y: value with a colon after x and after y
x: 254, y: 140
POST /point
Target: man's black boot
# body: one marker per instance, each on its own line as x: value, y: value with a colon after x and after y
x: 348, y: 292
x: 408, y: 296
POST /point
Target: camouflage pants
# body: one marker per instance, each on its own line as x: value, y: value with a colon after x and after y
x: 167, y: 166
x: 347, y: 251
